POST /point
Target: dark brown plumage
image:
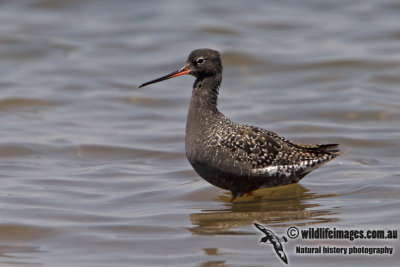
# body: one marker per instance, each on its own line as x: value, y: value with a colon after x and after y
x: 233, y: 156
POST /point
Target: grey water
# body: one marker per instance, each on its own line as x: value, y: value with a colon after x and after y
x: 93, y: 169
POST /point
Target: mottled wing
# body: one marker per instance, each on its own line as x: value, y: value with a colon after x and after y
x: 269, y: 154
x: 260, y: 227
x: 252, y: 145
x: 281, y: 254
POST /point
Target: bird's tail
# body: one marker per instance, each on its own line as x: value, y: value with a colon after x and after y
x: 331, y: 148
x: 321, y: 148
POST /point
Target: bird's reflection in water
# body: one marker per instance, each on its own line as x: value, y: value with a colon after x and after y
x: 278, y: 206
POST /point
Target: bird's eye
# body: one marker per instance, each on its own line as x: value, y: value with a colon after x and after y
x: 200, y: 60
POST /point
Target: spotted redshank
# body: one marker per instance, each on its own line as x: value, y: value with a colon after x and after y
x: 233, y: 156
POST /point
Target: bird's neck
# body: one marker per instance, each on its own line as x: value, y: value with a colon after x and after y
x: 205, y: 94
x: 202, y: 111
x: 203, y: 104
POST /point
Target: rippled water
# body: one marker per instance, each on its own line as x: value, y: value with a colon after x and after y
x: 93, y: 169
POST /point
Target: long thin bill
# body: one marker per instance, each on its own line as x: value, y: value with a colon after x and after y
x: 169, y: 76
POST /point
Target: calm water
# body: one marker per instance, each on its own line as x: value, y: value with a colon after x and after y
x: 93, y: 170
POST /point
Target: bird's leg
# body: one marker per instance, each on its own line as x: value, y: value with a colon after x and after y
x: 249, y: 194
x: 234, y: 195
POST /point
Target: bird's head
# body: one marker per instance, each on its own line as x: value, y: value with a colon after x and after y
x: 201, y: 63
